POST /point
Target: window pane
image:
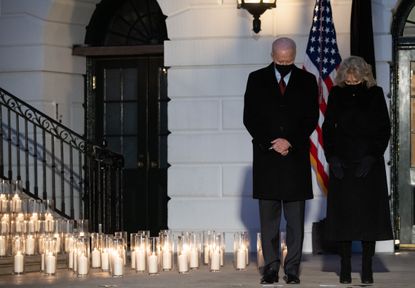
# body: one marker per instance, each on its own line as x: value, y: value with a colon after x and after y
x: 130, y: 152
x: 112, y: 124
x: 112, y: 84
x: 130, y: 84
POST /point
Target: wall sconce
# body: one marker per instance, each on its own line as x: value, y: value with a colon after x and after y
x: 256, y: 8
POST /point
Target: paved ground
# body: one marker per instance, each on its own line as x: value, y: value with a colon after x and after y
x: 391, y: 270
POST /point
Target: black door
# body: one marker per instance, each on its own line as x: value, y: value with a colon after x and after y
x: 131, y: 118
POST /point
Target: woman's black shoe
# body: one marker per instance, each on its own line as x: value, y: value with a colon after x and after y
x: 367, y: 279
x: 270, y: 276
x: 345, y: 279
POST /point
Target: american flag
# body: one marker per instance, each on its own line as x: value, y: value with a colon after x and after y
x: 322, y: 59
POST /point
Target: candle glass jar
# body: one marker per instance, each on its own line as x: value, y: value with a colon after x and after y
x: 5, y: 224
x: 18, y: 255
x: 167, y: 250
x: 259, y: 255
x: 182, y: 254
x: 4, y: 245
x: 50, y: 256
x: 96, y: 250
x: 105, y: 252
x: 141, y: 243
x: 30, y: 244
x: 16, y: 204
x: 49, y: 222
x: 4, y: 203
x: 195, y: 245
x: 153, y: 255
x: 132, y: 250
x: 207, y: 243
x: 240, y: 250
x: 215, y: 251
x: 117, y: 257
x: 82, y: 255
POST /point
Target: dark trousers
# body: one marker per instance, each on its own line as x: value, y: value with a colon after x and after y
x: 270, y: 218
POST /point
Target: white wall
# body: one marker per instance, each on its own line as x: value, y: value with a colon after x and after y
x: 36, y: 62
x: 210, y: 54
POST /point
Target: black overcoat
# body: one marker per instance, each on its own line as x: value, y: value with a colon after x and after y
x: 267, y: 116
x: 357, y: 125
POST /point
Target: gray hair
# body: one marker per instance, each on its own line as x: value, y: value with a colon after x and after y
x: 359, y: 68
x: 284, y: 43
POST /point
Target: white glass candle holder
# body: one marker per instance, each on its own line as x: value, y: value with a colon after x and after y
x: 259, y: 255
x: 123, y: 235
x: 4, y: 245
x: 117, y: 257
x: 5, y: 224
x: 132, y: 250
x: 50, y: 256
x: 18, y: 255
x: 167, y: 250
x: 48, y: 222
x: 82, y: 227
x: 96, y: 250
x: 30, y: 244
x: 141, y: 243
x: 105, y: 252
x: 58, y: 235
x: 153, y: 256
x: 16, y: 204
x: 215, y: 252
x: 284, y: 249
x: 82, y: 255
x: 4, y: 203
x: 207, y: 243
x: 240, y: 250
x: 182, y: 254
x: 195, y: 245
x: 18, y: 225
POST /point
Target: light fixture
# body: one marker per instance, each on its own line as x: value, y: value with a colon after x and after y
x: 256, y: 8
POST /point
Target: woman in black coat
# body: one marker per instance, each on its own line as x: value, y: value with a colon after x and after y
x: 356, y: 132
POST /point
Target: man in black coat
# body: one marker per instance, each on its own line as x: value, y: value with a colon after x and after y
x: 280, y: 112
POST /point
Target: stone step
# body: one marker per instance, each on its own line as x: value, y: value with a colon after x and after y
x: 31, y: 264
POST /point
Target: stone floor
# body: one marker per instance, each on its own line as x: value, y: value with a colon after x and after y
x: 390, y: 270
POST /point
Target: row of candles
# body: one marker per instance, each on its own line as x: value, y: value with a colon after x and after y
x: 182, y: 252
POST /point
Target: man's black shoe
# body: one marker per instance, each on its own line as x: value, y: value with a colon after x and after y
x: 269, y: 277
x: 291, y: 279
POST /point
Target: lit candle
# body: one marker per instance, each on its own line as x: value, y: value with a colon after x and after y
x: 50, y: 264
x: 152, y: 264
x: 30, y: 245
x: 215, y: 260
x: 117, y: 265
x: 48, y: 222
x: 16, y: 204
x: 82, y: 265
x: 241, y: 258
x: 167, y: 259
x: 3, y: 203
x: 183, y: 264
x: 70, y: 259
x: 18, y: 262
x: 133, y: 259
x: 194, y: 258
x: 96, y: 258
x: 206, y: 254
x: 42, y: 262
x: 58, y: 242
x: 140, y: 264
x: 105, y: 260
x: 3, y: 245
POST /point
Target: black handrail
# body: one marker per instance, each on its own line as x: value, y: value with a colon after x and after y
x: 65, y: 167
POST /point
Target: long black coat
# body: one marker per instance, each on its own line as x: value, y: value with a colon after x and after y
x: 357, y: 125
x: 269, y: 115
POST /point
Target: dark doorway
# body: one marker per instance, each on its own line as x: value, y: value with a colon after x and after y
x: 126, y: 102
x: 128, y: 117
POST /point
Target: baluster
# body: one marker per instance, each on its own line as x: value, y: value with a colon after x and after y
x: 1, y: 141
x: 71, y: 208
x: 26, y: 150
x: 44, y: 164
x: 53, y: 171
x: 62, y: 178
x: 81, y: 190
x: 19, y: 176
x: 9, y: 142
x: 35, y: 156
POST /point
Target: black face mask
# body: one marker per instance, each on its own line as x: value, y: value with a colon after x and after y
x: 354, y: 88
x: 284, y: 69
